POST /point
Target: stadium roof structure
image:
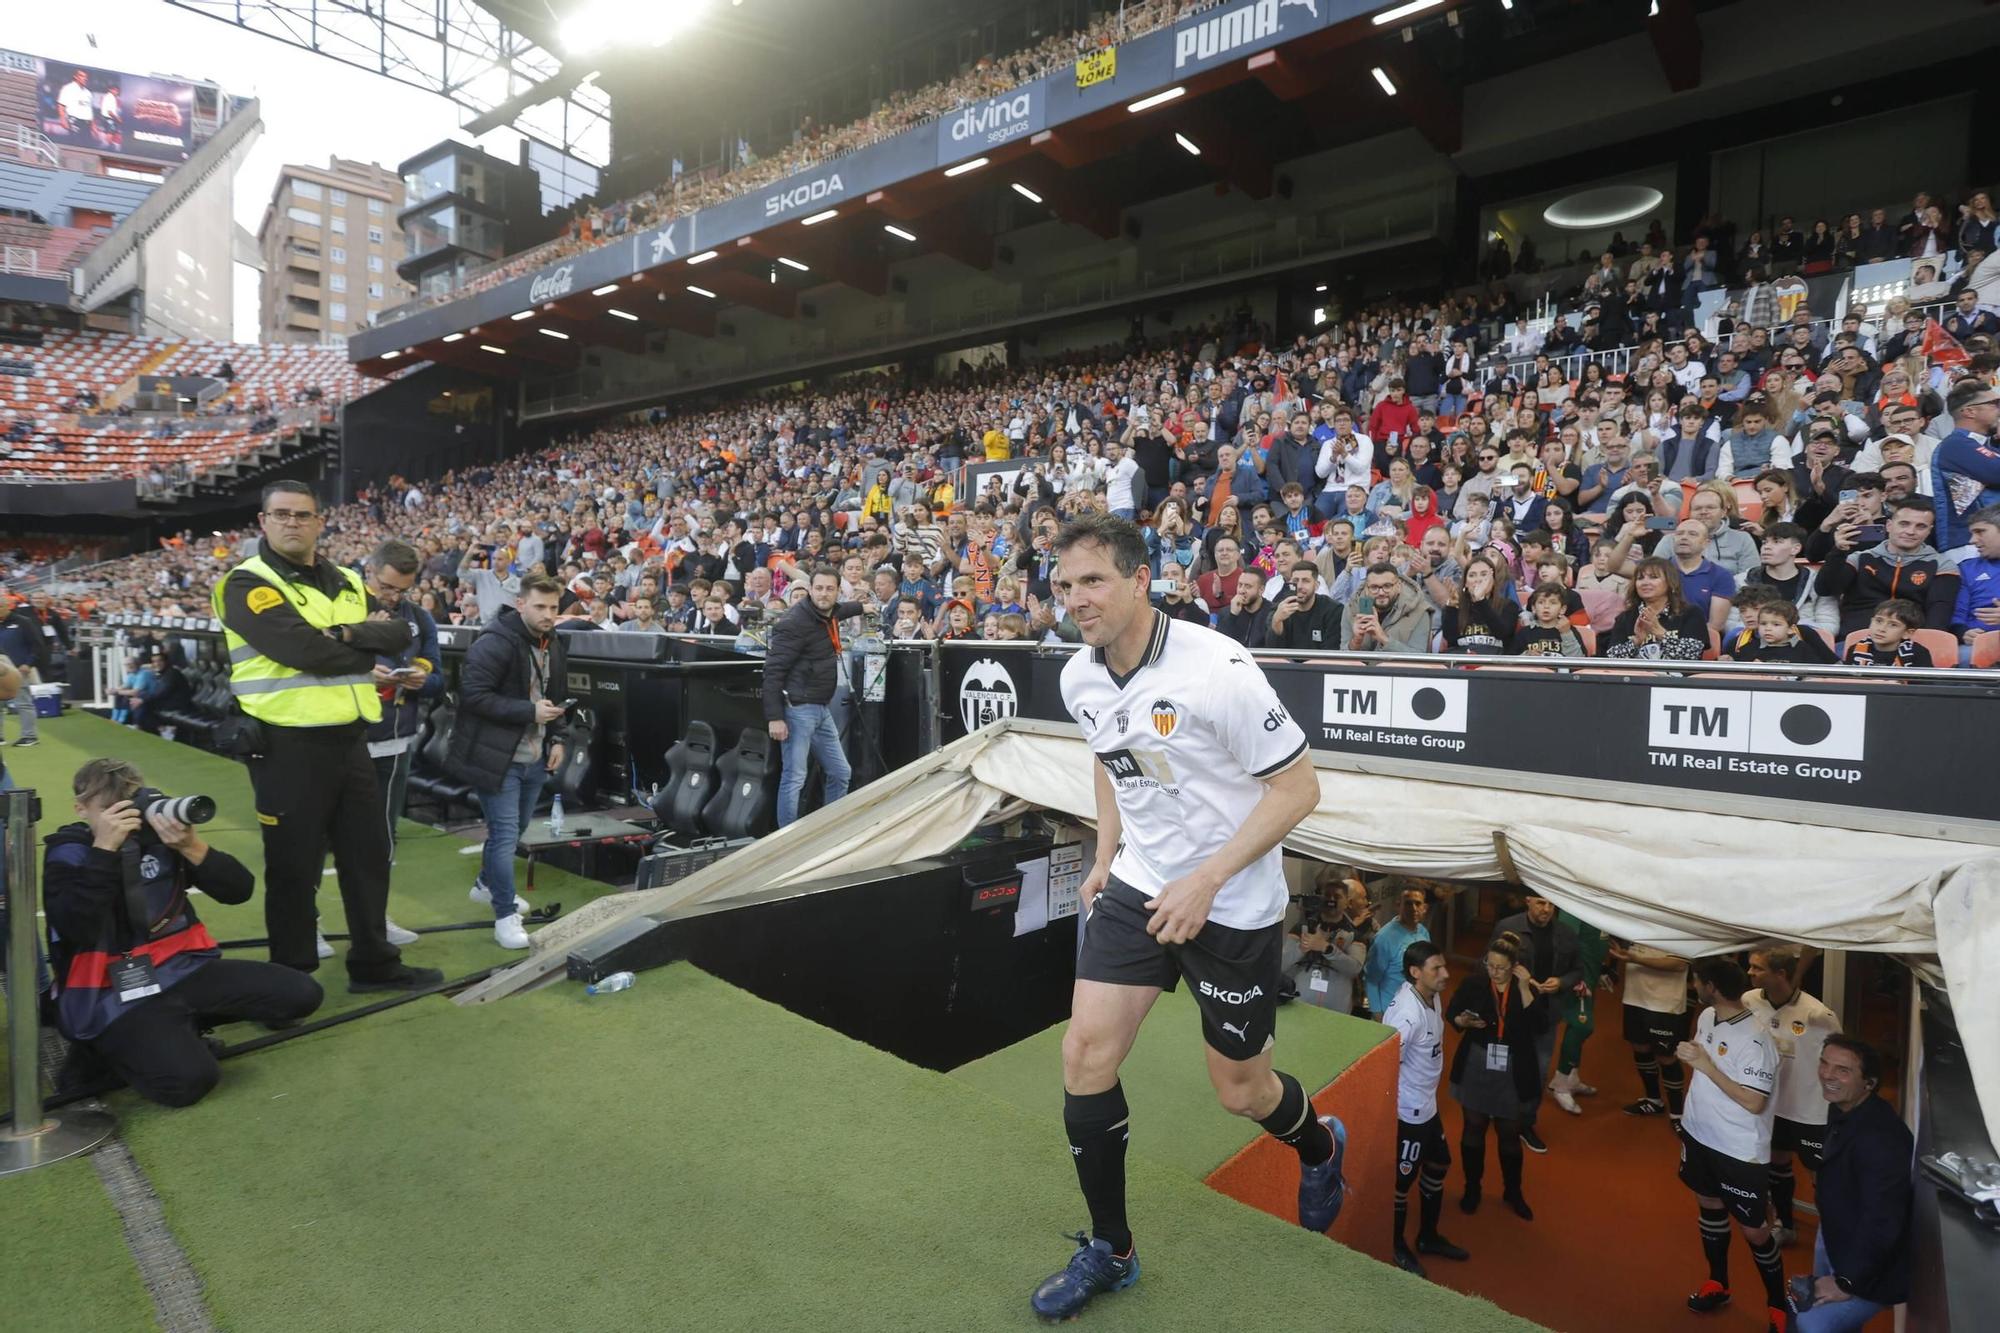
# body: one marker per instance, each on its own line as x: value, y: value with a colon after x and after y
x: 1254, y: 84
x: 496, y: 58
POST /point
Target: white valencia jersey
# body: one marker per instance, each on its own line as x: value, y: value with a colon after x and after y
x: 1185, y: 739
x: 1422, y: 1029
x: 1662, y: 992
x: 1743, y: 1050
x: 1799, y: 1031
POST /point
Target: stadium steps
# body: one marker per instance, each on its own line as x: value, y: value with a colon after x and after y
x: 154, y: 360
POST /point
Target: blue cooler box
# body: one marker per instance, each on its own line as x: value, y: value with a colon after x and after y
x: 48, y: 700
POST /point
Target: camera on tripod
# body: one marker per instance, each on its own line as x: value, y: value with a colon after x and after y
x: 189, y: 810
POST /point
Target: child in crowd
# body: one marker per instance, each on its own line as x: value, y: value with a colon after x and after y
x: 1773, y: 635
x: 1548, y: 632
x: 1892, y: 637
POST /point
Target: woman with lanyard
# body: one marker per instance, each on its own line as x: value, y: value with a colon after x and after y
x: 1494, y: 1074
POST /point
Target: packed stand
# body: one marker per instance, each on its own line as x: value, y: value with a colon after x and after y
x: 596, y: 224
x: 1385, y: 486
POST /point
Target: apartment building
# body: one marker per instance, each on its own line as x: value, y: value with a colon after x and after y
x: 330, y: 244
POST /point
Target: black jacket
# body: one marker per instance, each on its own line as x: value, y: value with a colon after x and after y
x: 1549, y: 951
x: 801, y: 667
x: 1863, y: 1191
x: 1524, y: 1022
x: 90, y: 920
x: 493, y: 699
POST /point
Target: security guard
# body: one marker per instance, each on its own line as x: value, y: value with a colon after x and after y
x: 303, y: 635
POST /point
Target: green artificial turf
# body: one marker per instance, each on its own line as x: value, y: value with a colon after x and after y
x: 63, y: 1260
x: 683, y: 1156
x: 1166, y: 1069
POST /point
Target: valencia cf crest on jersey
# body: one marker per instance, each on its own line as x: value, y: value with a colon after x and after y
x: 1798, y: 1027
x: 1165, y: 717
x: 1722, y: 1048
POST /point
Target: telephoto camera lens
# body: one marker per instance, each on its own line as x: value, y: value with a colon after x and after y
x: 180, y: 809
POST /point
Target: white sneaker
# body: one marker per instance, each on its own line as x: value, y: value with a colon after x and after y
x: 320, y: 945
x: 1580, y: 1088
x: 1567, y: 1102
x: 508, y: 934
x: 479, y: 893
x: 399, y: 936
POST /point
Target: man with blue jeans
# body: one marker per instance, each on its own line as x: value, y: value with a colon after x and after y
x: 501, y: 743
x: 802, y: 674
x: 1861, y: 1261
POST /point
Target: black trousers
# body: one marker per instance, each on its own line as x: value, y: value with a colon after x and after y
x: 156, y: 1046
x: 316, y: 788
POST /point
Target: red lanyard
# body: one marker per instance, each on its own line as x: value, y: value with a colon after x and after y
x: 1500, y: 996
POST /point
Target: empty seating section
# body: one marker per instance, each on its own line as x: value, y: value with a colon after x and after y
x: 49, y: 430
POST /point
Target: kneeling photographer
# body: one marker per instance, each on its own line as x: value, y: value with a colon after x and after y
x: 138, y: 977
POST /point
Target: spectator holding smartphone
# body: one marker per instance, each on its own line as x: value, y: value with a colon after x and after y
x: 1902, y: 565
x: 1302, y: 618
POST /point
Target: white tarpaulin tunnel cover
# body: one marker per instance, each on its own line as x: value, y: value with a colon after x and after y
x: 1690, y: 883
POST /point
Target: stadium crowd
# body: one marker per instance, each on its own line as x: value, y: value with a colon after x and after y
x: 1797, y: 493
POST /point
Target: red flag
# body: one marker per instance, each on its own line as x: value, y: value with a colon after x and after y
x: 1940, y: 348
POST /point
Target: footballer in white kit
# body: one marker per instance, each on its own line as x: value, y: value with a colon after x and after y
x: 1199, y: 773
x: 1799, y: 1024
x: 1725, y: 1135
x: 1417, y: 1014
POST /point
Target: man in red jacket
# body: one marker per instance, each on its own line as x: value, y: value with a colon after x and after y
x: 1394, y: 419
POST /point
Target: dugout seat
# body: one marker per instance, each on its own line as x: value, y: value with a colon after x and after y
x: 690, y: 780
x: 745, y: 803
x: 428, y: 776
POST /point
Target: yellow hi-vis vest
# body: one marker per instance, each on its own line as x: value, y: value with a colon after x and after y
x: 284, y: 696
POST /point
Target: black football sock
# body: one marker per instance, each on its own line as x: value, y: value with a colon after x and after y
x: 1649, y: 1076
x: 1715, y: 1243
x: 1430, y: 1200
x: 1098, y: 1124
x: 1783, y: 1186
x: 1294, y: 1124
x: 1402, y: 1214
x: 1772, y: 1269
x: 1674, y: 1078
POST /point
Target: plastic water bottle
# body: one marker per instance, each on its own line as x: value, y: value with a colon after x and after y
x: 556, y: 817
x: 617, y: 981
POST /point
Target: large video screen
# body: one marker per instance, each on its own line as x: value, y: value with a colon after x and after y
x: 108, y: 111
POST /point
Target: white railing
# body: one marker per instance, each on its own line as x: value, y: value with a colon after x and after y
x: 31, y: 140
x: 20, y: 259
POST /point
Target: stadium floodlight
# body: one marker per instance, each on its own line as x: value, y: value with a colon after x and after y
x: 1192, y: 148
x: 1382, y: 77
x: 701, y: 291
x: 898, y: 232
x: 522, y: 314
x: 454, y: 337
x: 1157, y: 99
x: 390, y: 356
x: 606, y: 289
x: 793, y: 263
x: 627, y: 22
x: 489, y: 347
x: 1404, y: 11
x: 701, y: 258
x: 818, y: 218
x: 1026, y: 193
x: 553, y: 333
x: 963, y: 167
x: 1320, y: 288
x: 623, y: 315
